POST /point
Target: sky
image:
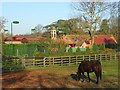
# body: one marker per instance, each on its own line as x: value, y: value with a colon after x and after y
x: 30, y: 13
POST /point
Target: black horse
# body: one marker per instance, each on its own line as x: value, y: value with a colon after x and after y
x: 90, y: 66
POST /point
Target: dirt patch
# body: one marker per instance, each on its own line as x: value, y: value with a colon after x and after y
x: 60, y: 77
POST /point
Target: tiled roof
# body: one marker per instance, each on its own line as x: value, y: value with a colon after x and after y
x: 105, y: 39
x: 98, y: 39
x: 20, y: 38
x: 72, y: 39
x: 32, y: 39
x: 39, y: 37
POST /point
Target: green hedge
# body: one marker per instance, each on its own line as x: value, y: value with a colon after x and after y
x: 114, y: 46
x: 32, y: 48
x: 20, y: 49
x: 50, y: 48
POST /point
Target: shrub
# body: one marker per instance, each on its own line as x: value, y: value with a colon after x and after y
x: 10, y: 65
x: 112, y: 46
x: 67, y: 49
x: 87, y: 49
x: 95, y: 47
x: 102, y: 46
x: 74, y: 50
x: 70, y: 50
x: 78, y: 50
x: 83, y: 49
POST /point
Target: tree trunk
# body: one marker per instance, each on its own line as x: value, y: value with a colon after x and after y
x: 92, y: 41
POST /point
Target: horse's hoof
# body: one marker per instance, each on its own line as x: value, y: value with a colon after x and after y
x: 88, y: 81
x: 82, y: 81
x: 96, y: 82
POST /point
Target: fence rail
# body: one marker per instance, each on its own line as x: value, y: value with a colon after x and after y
x: 63, y: 60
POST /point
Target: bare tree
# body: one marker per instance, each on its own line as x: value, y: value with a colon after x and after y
x: 113, y: 20
x: 39, y: 28
x: 2, y: 22
x: 92, y: 13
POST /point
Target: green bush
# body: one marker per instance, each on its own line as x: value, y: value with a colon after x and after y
x: 70, y: 50
x: 78, y: 50
x: 95, y: 48
x: 112, y: 46
x: 74, y: 50
x: 83, y: 49
x: 108, y: 51
x: 101, y: 46
x: 10, y: 65
x: 67, y: 49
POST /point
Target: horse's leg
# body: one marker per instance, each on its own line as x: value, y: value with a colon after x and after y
x: 82, y: 76
x: 78, y: 78
x: 100, y: 74
x: 97, y: 75
x: 88, y: 76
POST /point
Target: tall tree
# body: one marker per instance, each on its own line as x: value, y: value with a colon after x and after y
x: 70, y: 26
x: 104, y: 27
x: 92, y: 13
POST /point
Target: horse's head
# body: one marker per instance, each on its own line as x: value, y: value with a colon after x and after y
x: 78, y: 73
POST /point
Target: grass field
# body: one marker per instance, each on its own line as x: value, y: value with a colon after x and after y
x: 60, y: 77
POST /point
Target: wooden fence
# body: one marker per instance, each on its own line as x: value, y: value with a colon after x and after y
x: 63, y: 60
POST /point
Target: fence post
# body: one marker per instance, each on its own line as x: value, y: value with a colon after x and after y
x: 23, y: 61
x: 44, y: 62
x: 53, y: 60
x: 61, y: 61
x: 76, y: 60
x: 106, y: 57
x: 110, y: 57
x: 69, y: 60
x: 95, y: 56
x: 49, y: 61
x: 33, y: 60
